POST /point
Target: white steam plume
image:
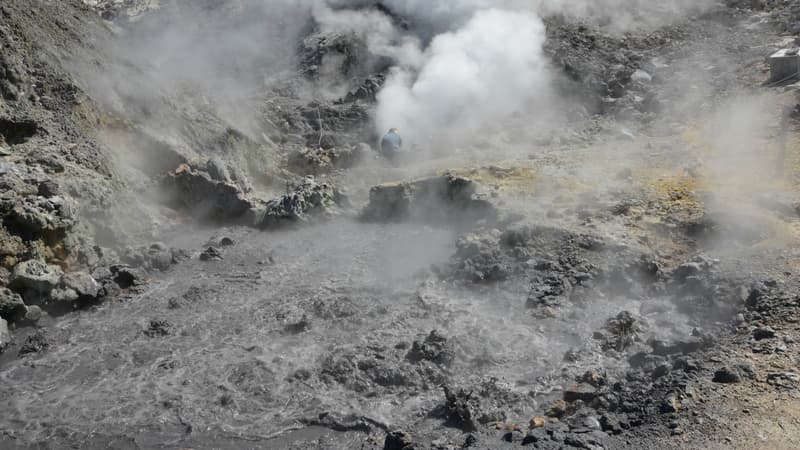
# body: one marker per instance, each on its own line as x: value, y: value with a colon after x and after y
x: 492, y: 67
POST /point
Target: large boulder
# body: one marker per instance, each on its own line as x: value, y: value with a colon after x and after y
x: 36, y: 276
x: 310, y: 200
x: 11, y: 304
x: 76, y: 286
x: 5, y: 335
x: 440, y: 199
x: 204, y: 196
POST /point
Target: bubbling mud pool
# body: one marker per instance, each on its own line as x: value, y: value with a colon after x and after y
x: 289, y: 326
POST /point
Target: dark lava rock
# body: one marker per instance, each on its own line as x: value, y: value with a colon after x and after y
x: 434, y: 348
x: 591, y: 440
x: 763, y: 333
x: 686, y: 270
x: 211, y: 254
x: 442, y: 199
x: 11, y: 305
x: 686, y: 364
x: 620, y: 332
x: 734, y: 373
x: 461, y: 409
x: 584, y: 392
x: 310, y: 200
x: 726, y: 375
x: 126, y: 277
x: 670, y: 404
x: 48, y: 188
x: 398, y: 440
x: 470, y: 441
x: 157, y: 328
x: 515, y: 437
x: 35, y: 343
x: 610, y: 423
x: 300, y: 326
x: 203, y: 196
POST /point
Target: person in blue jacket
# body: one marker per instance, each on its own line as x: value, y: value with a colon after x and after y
x: 391, y: 144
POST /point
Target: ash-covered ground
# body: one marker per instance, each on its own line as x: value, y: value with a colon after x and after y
x: 589, y: 241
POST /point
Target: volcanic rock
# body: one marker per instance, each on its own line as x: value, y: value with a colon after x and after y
x: 398, y: 440
x: 5, y: 335
x: 36, y: 276
x: 11, y: 304
x: 204, y: 196
x: 434, y: 348
x: 583, y: 391
x: 733, y: 373
x: 310, y: 200
x: 211, y: 254
x: 763, y: 333
x: 442, y: 199
x: 461, y: 409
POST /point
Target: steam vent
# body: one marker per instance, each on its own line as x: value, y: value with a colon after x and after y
x: 399, y: 224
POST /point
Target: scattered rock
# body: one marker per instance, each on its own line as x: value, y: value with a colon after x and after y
x: 557, y: 408
x: 298, y: 326
x: 126, y: 277
x: 734, y: 373
x: 157, y: 328
x: 670, y: 404
x: 434, y: 348
x: 398, y: 440
x: 610, y: 423
x: 786, y: 380
x: 442, y: 199
x: 36, y: 276
x: 310, y: 200
x: 211, y: 254
x: 82, y: 284
x: 514, y: 436
x: 35, y: 343
x: 763, y: 333
x: 5, y: 335
x: 11, y: 304
x: 537, y: 422
x: 584, y: 392
x: 461, y: 409
x: 620, y: 332
x: 49, y: 188
x: 591, y: 423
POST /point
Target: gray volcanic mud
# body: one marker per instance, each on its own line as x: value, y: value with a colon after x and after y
x: 337, y: 327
